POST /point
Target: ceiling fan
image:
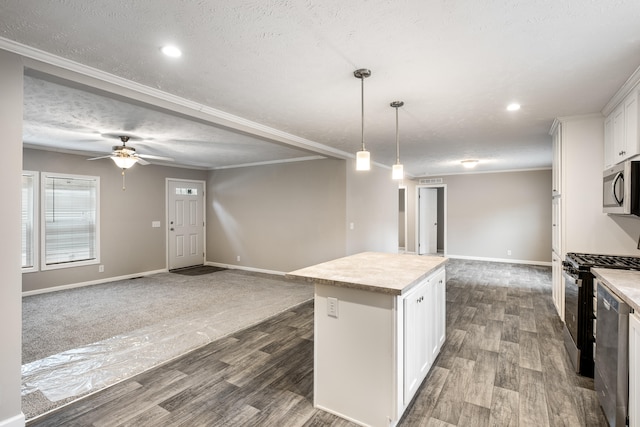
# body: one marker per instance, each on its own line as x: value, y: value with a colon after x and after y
x: 125, y: 156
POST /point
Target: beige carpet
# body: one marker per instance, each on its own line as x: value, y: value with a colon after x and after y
x: 78, y: 341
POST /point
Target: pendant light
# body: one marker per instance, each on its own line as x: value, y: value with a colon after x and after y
x: 363, y: 159
x: 397, y: 172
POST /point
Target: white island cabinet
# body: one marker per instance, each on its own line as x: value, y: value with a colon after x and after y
x: 379, y: 324
x: 634, y: 370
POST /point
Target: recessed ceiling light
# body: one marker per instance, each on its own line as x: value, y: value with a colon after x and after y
x: 469, y: 163
x: 513, y: 107
x: 171, y: 51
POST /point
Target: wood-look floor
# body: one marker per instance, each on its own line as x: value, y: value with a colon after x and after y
x: 503, y: 364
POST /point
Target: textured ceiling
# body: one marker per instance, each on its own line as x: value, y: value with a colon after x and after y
x: 288, y: 65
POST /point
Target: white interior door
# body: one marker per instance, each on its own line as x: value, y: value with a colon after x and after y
x: 428, y: 221
x: 185, y: 219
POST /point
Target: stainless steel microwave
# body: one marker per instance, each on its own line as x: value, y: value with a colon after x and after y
x: 621, y: 189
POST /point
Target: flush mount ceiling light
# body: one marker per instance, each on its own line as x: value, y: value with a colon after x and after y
x: 363, y: 159
x: 514, y: 106
x: 397, y: 171
x: 469, y: 164
x: 171, y: 51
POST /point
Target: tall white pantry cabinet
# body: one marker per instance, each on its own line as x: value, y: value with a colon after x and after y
x: 576, y: 193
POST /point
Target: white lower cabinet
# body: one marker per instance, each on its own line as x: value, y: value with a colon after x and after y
x: 634, y: 370
x: 557, y: 284
x: 440, y: 310
x: 424, y: 330
x: 373, y: 354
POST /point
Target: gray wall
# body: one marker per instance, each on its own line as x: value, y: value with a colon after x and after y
x: 586, y: 228
x: 128, y: 243
x: 489, y: 214
x: 411, y: 215
x: 372, y: 207
x: 288, y: 216
x: 11, y: 70
x: 277, y: 217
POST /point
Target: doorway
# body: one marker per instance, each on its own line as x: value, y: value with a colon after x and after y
x: 402, y: 219
x: 185, y: 223
x: 431, y: 220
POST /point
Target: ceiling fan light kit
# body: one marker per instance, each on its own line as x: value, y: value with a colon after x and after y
x: 124, y: 162
x: 125, y: 157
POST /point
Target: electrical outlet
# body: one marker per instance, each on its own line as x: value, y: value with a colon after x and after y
x: 509, y: 252
x: 332, y: 307
x: 101, y: 269
x: 238, y: 258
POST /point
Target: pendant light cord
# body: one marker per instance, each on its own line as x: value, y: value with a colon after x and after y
x: 397, y: 140
x: 362, y: 108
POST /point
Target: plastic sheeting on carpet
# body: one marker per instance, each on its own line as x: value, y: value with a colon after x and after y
x: 82, y: 370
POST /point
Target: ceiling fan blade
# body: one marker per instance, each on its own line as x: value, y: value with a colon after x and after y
x: 142, y: 161
x: 101, y: 157
x: 152, y: 157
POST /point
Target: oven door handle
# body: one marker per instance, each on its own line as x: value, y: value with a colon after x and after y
x: 569, y: 277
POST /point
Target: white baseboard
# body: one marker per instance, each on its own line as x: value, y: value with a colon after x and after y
x: 240, y: 267
x: 92, y: 282
x: 507, y: 260
x: 15, y: 421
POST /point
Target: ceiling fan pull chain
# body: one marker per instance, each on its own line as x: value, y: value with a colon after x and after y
x: 123, y: 187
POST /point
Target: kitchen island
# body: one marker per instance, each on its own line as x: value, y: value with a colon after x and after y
x: 379, y: 323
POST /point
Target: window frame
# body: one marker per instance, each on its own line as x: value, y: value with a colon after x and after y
x: 43, y: 235
x: 35, y: 225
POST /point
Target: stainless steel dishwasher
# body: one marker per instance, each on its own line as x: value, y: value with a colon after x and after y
x: 611, y: 377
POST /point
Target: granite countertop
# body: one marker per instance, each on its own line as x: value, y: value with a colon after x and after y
x: 624, y: 283
x: 387, y: 273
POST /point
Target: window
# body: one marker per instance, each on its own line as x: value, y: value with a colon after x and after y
x: 29, y: 221
x: 180, y: 191
x: 70, y: 231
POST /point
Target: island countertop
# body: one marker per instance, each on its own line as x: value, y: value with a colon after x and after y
x: 624, y: 283
x: 380, y: 272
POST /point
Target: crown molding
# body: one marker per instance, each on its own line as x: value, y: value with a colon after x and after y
x: 57, y: 66
x: 622, y: 93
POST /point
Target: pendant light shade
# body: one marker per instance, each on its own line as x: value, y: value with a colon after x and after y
x: 397, y: 172
x: 363, y: 158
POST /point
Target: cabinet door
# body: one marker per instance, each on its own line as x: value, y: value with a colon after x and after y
x: 618, y: 134
x: 441, y: 312
x: 415, y: 339
x: 631, y: 125
x: 556, y: 167
x: 609, y: 157
x: 556, y: 211
x: 634, y: 370
x: 431, y: 327
x: 557, y: 284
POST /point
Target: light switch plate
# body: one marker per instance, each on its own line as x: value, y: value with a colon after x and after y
x: 155, y: 224
x: 332, y: 307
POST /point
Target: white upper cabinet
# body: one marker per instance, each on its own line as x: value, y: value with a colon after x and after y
x: 621, y: 140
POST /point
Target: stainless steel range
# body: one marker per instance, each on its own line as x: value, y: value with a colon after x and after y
x: 580, y: 304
